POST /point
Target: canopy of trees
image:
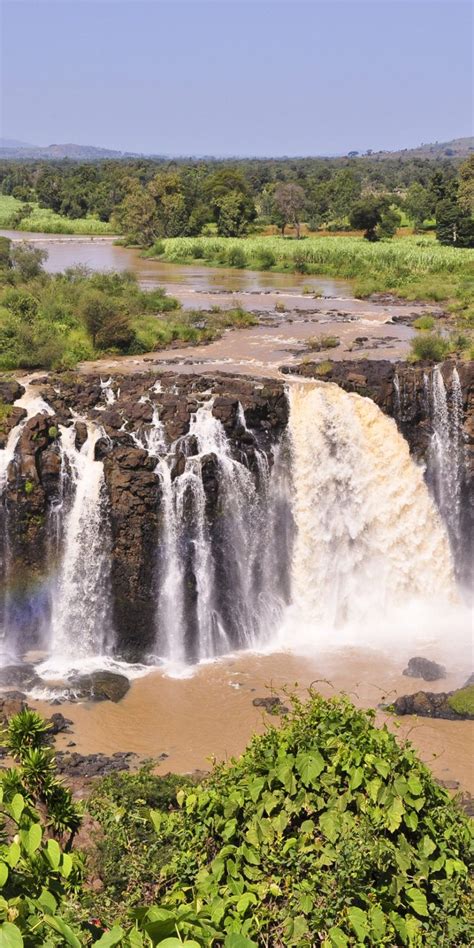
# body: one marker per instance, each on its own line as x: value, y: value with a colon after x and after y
x: 147, y: 199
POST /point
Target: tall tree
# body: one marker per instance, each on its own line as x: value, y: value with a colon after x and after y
x: 418, y: 204
x: 289, y: 203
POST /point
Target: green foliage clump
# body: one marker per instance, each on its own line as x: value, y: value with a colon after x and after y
x: 424, y: 322
x: 55, y: 321
x: 38, y: 821
x: 430, y: 346
x: 324, y: 831
x: 462, y: 701
x: 129, y: 855
x: 236, y: 257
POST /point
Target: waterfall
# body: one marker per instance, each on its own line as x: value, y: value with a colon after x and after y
x: 368, y: 538
x: 80, y: 621
x: 446, y: 457
x: 218, y: 571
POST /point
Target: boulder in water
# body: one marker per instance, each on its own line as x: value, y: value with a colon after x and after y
x: 452, y: 705
x: 273, y: 705
x: 100, y: 686
x: 419, y: 667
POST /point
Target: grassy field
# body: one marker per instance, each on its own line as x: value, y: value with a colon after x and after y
x: 44, y: 221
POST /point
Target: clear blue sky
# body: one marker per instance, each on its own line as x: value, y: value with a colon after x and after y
x: 228, y: 78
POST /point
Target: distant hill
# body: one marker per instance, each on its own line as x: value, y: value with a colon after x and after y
x: 10, y: 149
x: 19, y: 150
x: 456, y: 148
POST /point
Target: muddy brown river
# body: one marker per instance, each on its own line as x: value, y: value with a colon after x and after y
x: 291, y: 308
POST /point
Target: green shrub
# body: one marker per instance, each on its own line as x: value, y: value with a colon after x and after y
x: 265, y: 259
x: 462, y: 701
x: 236, y: 257
x: 424, y: 322
x: 323, y: 831
x: 429, y: 346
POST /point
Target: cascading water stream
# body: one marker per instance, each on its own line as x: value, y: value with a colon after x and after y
x: 230, y: 560
x: 445, y: 463
x: 80, y: 625
x: 368, y: 538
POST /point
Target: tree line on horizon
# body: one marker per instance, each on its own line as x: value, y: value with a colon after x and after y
x: 147, y: 199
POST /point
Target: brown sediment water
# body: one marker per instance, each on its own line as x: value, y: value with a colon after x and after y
x: 210, y: 715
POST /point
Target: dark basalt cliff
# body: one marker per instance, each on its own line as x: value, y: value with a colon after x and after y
x: 36, y: 481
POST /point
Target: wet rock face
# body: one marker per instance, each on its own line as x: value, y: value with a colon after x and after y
x: 39, y: 478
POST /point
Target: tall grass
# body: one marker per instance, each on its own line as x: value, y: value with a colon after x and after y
x: 44, y: 221
x: 396, y: 261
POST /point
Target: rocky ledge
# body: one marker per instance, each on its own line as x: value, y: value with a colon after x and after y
x: 450, y: 705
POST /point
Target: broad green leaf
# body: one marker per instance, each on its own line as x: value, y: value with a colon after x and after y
x: 255, y: 788
x: 306, y: 904
x: 417, y: 900
x: 47, y: 901
x: 13, y: 854
x: 329, y: 825
x: 180, y: 797
x: 245, y: 901
x: 35, y: 835
x: 394, y: 814
x: 53, y: 853
x: 455, y: 866
x: 10, y: 936
x: 411, y: 820
x: 377, y: 922
x: 112, y: 937
x: 338, y: 938
x: 310, y: 766
x: 284, y: 773
x: 251, y: 855
x: 357, y: 777
x: 382, y: 767
x: 17, y: 806
x: 235, y: 940
x: 373, y: 788
x: 3, y: 874
x: 359, y: 922
x: 414, y: 786
x: 156, y: 817
x: 427, y: 846
x: 59, y: 926
x: 66, y: 865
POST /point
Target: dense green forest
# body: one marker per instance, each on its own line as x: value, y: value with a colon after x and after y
x: 325, y: 831
x: 145, y: 199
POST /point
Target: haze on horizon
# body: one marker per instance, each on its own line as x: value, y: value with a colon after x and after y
x: 234, y: 78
